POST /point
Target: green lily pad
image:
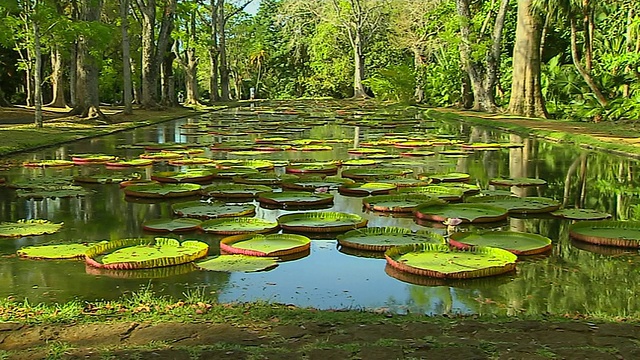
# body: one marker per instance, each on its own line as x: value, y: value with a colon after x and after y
x: 212, y: 210
x: 129, y: 163
x: 412, y: 144
x: 60, y: 251
x: 383, y: 238
x: 238, y: 263
x: 455, y: 153
x: 312, y: 169
x: 263, y: 179
x: 481, y: 146
x: 234, y: 191
x: 128, y: 254
x: 608, y: 232
x: 294, y: 198
x: 382, y: 156
x: 468, y: 189
x: 441, y: 192
x: 159, y: 156
x: 518, y: 243
x: 41, y: 182
x: 405, y: 182
x: 238, y: 225
x: 366, y: 150
x: 171, y: 225
x: 313, y: 183
x: 265, y: 245
x: 373, y: 188
x: 360, y: 162
x: 104, y: 178
x: 157, y: 191
x: 191, y: 161
x: 189, y: 176
x: 396, y: 203
x: 82, y: 159
x: 441, y: 261
x: 321, y: 222
x: 314, y: 148
x: 451, y: 177
x: 581, y: 214
x: 516, y: 205
x: 53, y: 192
x: 371, y: 174
x: 418, y: 153
x: 471, y: 213
x: 28, y: 228
x: 234, y: 172
x: 48, y: 163
x: 517, y: 182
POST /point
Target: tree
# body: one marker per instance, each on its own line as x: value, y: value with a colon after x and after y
x: 185, y: 52
x: 526, y: 92
x: 126, y: 57
x: 483, y: 76
x: 257, y: 59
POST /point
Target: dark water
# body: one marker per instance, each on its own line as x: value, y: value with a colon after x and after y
x: 574, y: 278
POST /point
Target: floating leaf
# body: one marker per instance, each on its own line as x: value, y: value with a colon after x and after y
x: 474, y: 213
x: 28, y: 228
x: 171, y: 225
x: 265, y: 245
x: 581, y: 214
x: 60, y: 251
x: 611, y: 233
x: 238, y: 263
x: 383, y: 238
x: 238, y: 225
x: 518, y: 182
x: 518, y: 243
x: 211, y: 210
x: 516, y: 205
x: 321, y: 222
x: 162, y: 190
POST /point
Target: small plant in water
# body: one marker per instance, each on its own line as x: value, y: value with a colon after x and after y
x: 452, y: 224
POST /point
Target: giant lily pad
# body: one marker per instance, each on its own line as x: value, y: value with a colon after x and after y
x: 53, y: 192
x: 191, y: 161
x: 162, y: 190
x: 171, y: 225
x: 160, y: 156
x: 263, y: 179
x: 190, y: 176
x: 41, y: 182
x: 518, y: 243
x: 238, y: 263
x: 212, y: 210
x: 321, y: 222
x: 405, y: 182
x: 294, y: 198
x: 87, y: 159
x: 28, y: 228
x: 367, y: 174
x: 104, y: 178
x: 473, y: 213
x: 450, y: 177
x: 518, y: 182
x: 234, y: 191
x: 373, y: 188
x: 441, y: 261
x: 383, y: 238
x: 129, y: 163
x: 396, y: 203
x: 48, y: 163
x: 581, y: 214
x: 441, y: 192
x: 366, y: 150
x: 60, y: 251
x: 144, y: 254
x: 265, y: 245
x: 516, y: 205
x: 312, y: 169
x: 232, y: 172
x: 360, y: 162
x: 238, y: 225
x: 313, y: 183
x: 611, y: 233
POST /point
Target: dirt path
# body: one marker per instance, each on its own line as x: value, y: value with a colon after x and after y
x: 457, y: 339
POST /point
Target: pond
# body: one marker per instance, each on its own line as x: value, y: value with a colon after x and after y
x: 573, y: 278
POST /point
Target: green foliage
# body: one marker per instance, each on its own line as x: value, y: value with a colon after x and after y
x: 397, y: 82
x: 442, y: 78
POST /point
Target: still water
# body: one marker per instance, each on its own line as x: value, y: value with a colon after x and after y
x: 573, y: 278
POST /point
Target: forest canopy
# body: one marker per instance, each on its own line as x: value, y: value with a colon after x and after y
x: 538, y: 58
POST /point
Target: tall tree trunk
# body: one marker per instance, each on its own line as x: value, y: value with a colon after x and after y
x: 126, y: 58
x: 418, y: 67
x: 526, y: 91
x: 57, y: 79
x: 358, y: 71
x: 222, y: 61
x: 88, y: 100
x: 588, y: 39
x: 190, y: 65
x: 37, y: 81
x: 213, y: 55
x: 466, y: 91
x: 576, y: 62
x: 149, y: 67
x: 73, y: 74
x: 168, y: 81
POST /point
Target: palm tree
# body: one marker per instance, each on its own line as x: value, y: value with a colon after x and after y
x: 257, y: 59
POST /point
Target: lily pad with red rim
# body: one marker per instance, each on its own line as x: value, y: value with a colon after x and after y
x: 365, y: 151
x: 28, y: 228
x: 238, y: 225
x: 234, y: 191
x: 361, y: 162
x: 271, y: 179
x: 383, y: 238
x: 373, y: 188
x: 518, y: 243
x: 265, y: 245
x: 517, y: 205
x: 441, y: 261
x: 581, y: 214
x: 312, y: 183
x: 375, y: 173
x: 58, y: 251
x: 159, y: 191
x: 212, y: 210
x: 53, y: 192
x: 450, y: 177
x: 396, y: 203
x: 189, y: 176
x: 129, y: 163
x: 171, y: 225
x: 238, y: 263
x: 294, y: 198
x: 87, y: 159
x: 321, y: 222
x: 473, y: 213
x: 517, y: 182
x: 48, y: 163
x: 160, y: 156
x: 190, y: 161
x: 441, y: 192
x: 327, y: 169
x: 104, y: 178
x: 607, y: 232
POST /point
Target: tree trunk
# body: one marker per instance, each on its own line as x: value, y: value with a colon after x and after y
x: 358, y: 71
x: 37, y: 81
x: 168, y: 81
x: 126, y: 58
x: 222, y: 62
x: 57, y: 79
x: 190, y: 65
x: 3, y: 100
x: 526, y: 92
x: 73, y: 74
x: 466, y: 92
x: 149, y: 66
x: 213, y: 55
x: 88, y: 100
x: 588, y: 40
x: 576, y: 62
x: 418, y: 66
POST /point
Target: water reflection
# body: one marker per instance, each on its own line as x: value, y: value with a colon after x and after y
x: 573, y: 278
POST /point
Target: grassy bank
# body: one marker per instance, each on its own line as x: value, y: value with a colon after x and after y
x: 22, y: 137
x: 615, y: 138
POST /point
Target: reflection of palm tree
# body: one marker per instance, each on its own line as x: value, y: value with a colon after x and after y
x: 257, y: 59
